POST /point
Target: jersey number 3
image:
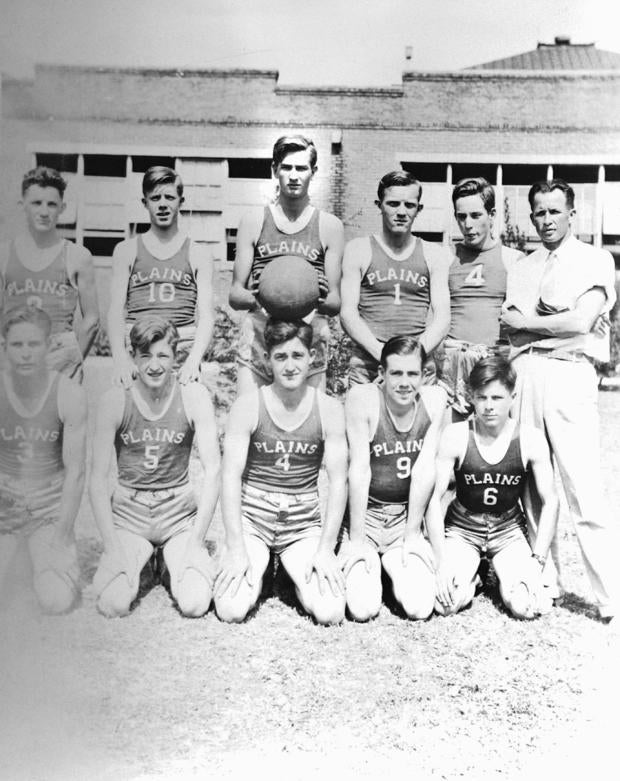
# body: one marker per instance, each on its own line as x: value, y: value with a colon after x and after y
x: 475, y: 278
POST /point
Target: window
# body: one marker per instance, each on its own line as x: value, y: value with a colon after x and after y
x: 249, y: 168
x: 105, y: 165
x: 63, y: 163
x: 472, y: 170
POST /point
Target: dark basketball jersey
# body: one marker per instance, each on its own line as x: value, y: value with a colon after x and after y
x: 31, y: 445
x: 163, y: 287
x: 477, y: 281
x: 273, y: 243
x: 393, y: 454
x: 490, y: 488
x: 154, y: 454
x: 395, y: 294
x: 49, y: 289
x: 281, y: 460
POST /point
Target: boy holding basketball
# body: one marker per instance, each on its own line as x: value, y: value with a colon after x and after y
x: 277, y: 436
x: 161, y: 272
x: 393, y: 282
x: 40, y: 268
x: 42, y: 458
x: 150, y: 428
x: 490, y: 456
x: 392, y: 432
x: 290, y: 226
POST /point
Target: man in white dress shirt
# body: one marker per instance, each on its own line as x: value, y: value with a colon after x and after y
x: 556, y: 308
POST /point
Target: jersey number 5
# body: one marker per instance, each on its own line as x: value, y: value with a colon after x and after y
x: 475, y: 278
x: 151, y: 457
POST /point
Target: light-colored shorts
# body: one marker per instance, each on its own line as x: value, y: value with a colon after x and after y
x: 487, y: 533
x: 44, y: 555
x: 252, y: 349
x: 280, y: 519
x: 385, y: 530
x: 26, y: 507
x: 155, y: 515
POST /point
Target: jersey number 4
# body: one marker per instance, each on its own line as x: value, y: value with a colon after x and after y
x: 283, y: 462
x: 475, y: 278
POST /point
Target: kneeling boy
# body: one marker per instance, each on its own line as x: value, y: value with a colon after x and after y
x: 491, y: 455
x: 150, y: 427
x: 276, y: 439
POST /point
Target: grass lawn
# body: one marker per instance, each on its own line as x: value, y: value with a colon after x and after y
x: 155, y: 696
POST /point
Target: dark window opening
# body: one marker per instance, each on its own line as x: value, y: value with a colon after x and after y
x: 435, y: 236
x: 612, y: 173
x: 141, y: 163
x: 523, y: 174
x: 231, y: 243
x: 249, y: 168
x: 426, y: 172
x: 105, y: 165
x: 101, y: 246
x: 473, y: 170
x: 138, y: 227
x: 64, y: 163
x: 576, y: 174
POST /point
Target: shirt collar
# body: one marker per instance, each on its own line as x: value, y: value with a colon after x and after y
x: 565, y: 246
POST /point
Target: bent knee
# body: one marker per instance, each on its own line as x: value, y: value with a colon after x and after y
x: 519, y: 603
x: 418, y: 609
x: 194, y: 597
x: 115, y: 600
x: 232, y: 611
x: 328, y: 611
x: 55, y: 595
x: 360, y: 610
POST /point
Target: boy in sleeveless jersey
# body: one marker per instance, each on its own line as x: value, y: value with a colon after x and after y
x: 477, y: 282
x: 161, y: 272
x: 42, y: 269
x: 490, y: 456
x: 42, y: 457
x: 290, y: 226
x: 276, y: 439
x: 150, y: 428
x: 393, y: 432
x: 393, y: 283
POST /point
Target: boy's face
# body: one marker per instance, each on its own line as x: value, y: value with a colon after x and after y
x: 290, y: 363
x: 156, y: 364
x: 26, y: 347
x: 294, y: 174
x: 492, y: 404
x: 163, y: 205
x: 399, y: 208
x: 402, y: 378
x: 42, y: 207
x: 474, y: 221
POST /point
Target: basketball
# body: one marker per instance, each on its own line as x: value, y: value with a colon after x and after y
x: 288, y: 287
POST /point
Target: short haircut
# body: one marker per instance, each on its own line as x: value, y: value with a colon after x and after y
x: 476, y: 185
x: 550, y: 185
x: 398, y: 179
x: 280, y: 331
x: 402, y: 345
x: 490, y: 369
x: 44, y: 177
x: 26, y: 313
x: 285, y: 145
x: 158, y: 175
x: 152, y: 328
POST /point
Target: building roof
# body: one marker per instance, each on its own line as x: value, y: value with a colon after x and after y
x: 560, y: 55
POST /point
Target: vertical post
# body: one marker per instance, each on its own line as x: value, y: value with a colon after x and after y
x: 79, y: 206
x: 447, y: 238
x: 499, y: 201
x: 599, y: 197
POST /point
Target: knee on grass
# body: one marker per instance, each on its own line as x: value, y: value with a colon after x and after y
x: 193, y: 594
x: 54, y: 593
x: 115, y: 600
x: 519, y: 601
x: 327, y: 609
x: 464, y: 597
x: 233, y: 610
x: 418, y: 607
x: 363, y: 595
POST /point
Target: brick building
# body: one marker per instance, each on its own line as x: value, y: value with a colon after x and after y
x: 553, y: 111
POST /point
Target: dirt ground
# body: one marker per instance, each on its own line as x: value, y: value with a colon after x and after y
x: 156, y: 696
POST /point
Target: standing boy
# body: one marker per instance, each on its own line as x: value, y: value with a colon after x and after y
x: 290, y: 226
x: 477, y: 282
x: 161, y: 272
x: 40, y: 268
x: 393, y: 282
